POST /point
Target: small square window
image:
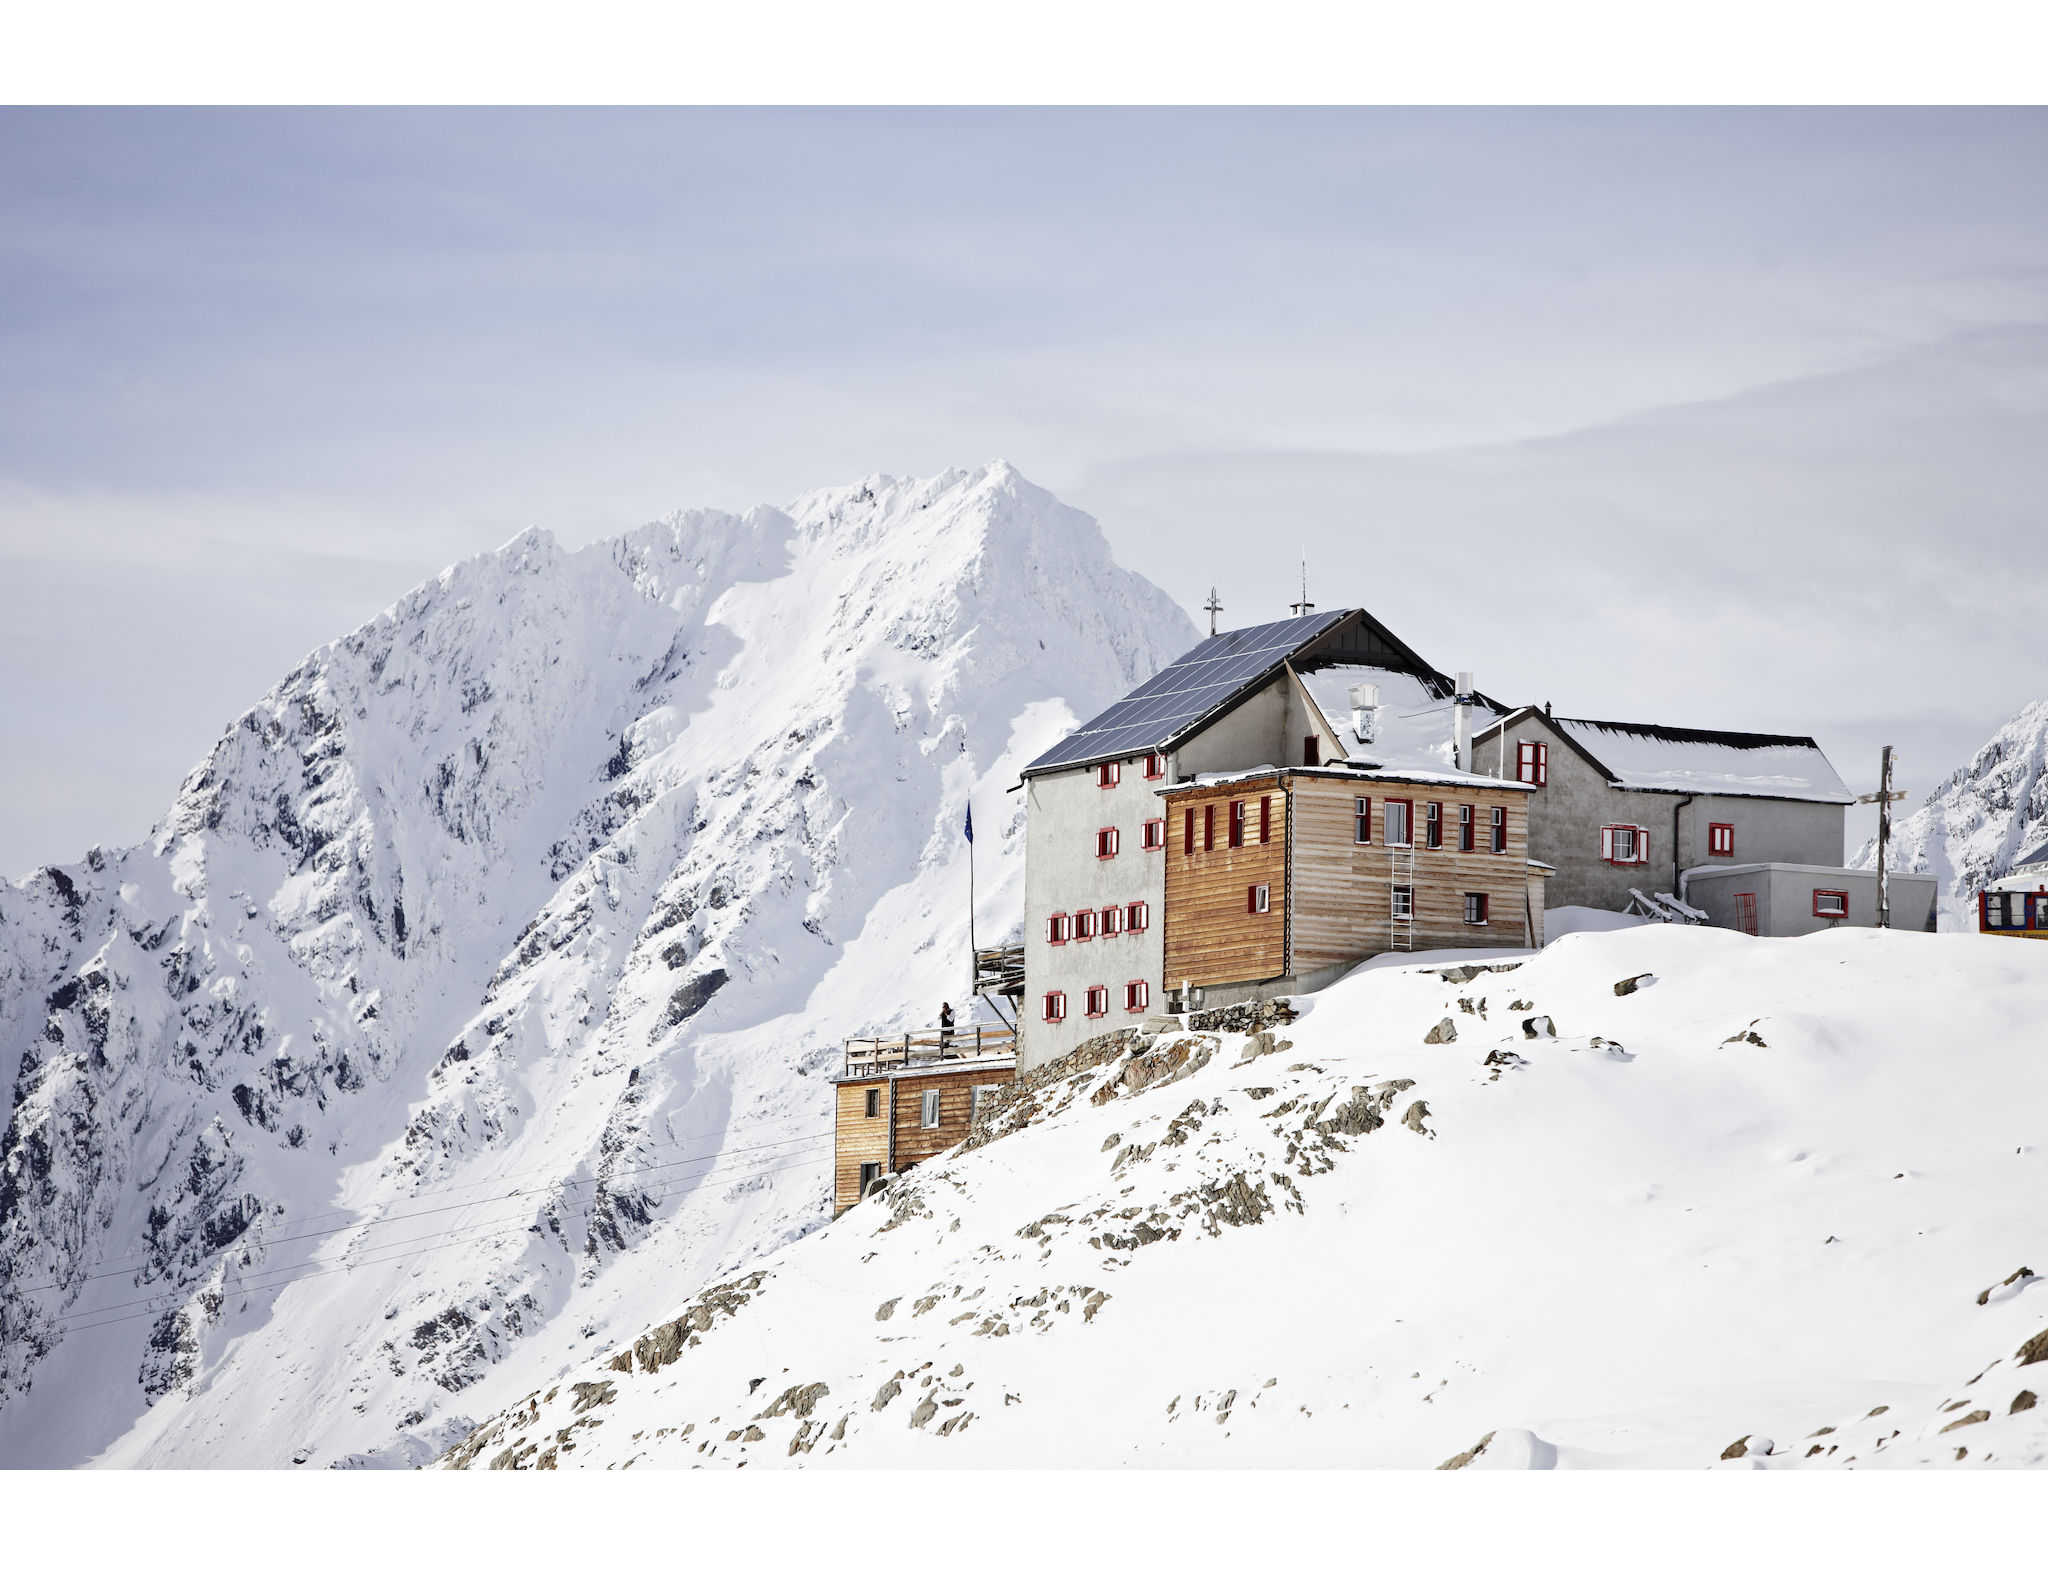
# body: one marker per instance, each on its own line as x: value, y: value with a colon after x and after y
x: 1154, y: 836
x: 1106, y: 841
x: 1098, y: 1000
x: 1107, y: 774
x: 1361, y: 820
x: 1137, y: 995
x: 1500, y: 829
x: 1055, y: 1005
x: 1831, y: 905
x: 874, y: 1103
x: 1258, y: 899
x: 1112, y: 921
x: 1136, y: 916
x: 1084, y: 925
x: 930, y: 1113
x: 1433, y: 825
x: 1721, y: 840
x: 1464, y: 828
x: 1155, y: 767
x: 1475, y: 907
x: 1058, y: 929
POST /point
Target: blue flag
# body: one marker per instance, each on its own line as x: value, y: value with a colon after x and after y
x: 970, y: 822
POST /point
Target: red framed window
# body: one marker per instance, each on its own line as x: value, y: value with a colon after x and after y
x: 1236, y: 822
x: 1432, y: 825
x: 1137, y: 995
x: 1059, y: 929
x: 1265, y: 818
x: 1532, y: 763
x: 1187, y: 838
x: 1720, y: 840
x: 1055, y: 1006
x: 1098, y: 1000
x: 1361, y: 820
x: 1153, y: 838
x: 1106, y: 841
x: 1464, y: 828
x: 1312, y: 750
x: 1108, y: 774
x: 1258, y: 899
x: 1112, y: 922
x: 1397, y: 822
x: 1208, y: 827
x: 1136, y: 916
x: 1155, y: 767
x: 1500, y: 828
x: 1831, y: 905
x: 1084, y: 924
x: 1624, y: 844
x: 1475, y: 907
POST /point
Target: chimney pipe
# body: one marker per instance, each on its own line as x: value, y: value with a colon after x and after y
x: 1461, y: 723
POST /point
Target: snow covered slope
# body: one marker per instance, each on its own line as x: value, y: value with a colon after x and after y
x: 1648, y: 1194
x: 1981, y: 822
x: 478, y: 984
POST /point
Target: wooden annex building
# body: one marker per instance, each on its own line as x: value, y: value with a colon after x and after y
x: 1285, y: 879
x: 902, y: 1099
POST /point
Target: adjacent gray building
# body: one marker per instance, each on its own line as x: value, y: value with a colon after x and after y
x: 1622, y: 807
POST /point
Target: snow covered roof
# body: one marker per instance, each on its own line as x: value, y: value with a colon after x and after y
x: 1414, y: 724
x: 1349, y: 773
x: 1649, y: 758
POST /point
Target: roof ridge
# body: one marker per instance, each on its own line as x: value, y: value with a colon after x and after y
x: 1695, y: 735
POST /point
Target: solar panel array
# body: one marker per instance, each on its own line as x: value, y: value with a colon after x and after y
x: 1184, y: 692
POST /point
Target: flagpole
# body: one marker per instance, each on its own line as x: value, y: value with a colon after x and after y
x: 973, y: 952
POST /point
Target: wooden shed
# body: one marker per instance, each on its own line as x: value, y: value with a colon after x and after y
x: 900, y: 1100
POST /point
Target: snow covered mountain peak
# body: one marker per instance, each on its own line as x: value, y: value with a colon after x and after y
x: 527, y: 912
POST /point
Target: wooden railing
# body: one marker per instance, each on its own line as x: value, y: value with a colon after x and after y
x: 928, y: 1047
x: 999, y: 970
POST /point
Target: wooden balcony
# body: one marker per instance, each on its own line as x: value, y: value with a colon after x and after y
x: 928, y: 1049
x: 999, y: 970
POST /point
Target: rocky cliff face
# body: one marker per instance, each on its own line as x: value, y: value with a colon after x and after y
x: 484, y: 975
x: 1982, y: 822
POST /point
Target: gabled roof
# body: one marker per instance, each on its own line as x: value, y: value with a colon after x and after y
x: 1216, y: 675
x: 1649, y: 758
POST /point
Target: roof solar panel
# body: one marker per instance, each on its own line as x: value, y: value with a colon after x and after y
x: 1185, y: 691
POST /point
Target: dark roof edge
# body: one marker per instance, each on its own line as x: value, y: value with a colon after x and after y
x: 1215, y: 713
x: 1527, y: 712
x: 1700, y: 735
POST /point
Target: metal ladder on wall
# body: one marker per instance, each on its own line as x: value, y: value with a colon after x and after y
x: 1400, y: 873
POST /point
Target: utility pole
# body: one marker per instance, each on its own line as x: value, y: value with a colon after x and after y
x: 1883, y: 798
x: 1212, y: 607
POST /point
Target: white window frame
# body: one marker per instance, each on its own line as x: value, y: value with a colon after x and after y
x: 1259, y: 899
x: 929, y: 1111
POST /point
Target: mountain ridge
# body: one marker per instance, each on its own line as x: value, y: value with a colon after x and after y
x: 579, y: 857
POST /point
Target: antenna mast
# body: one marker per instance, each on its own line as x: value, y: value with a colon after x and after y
x: 1304, y: 607
x: 1212, y: 607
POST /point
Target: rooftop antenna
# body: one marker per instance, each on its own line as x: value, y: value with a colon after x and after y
x: 1212, y: 607
x: 1304, y: 607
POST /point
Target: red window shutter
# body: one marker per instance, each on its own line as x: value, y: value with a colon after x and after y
x: 1187, y: 838
x: 1642, y: 846
x: 1208, y: 827
x: 1251, y: 899
x: 1265, y: 817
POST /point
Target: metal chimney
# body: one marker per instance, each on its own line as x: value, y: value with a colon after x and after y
x: 1365, y: 711
x: 1461, y: 723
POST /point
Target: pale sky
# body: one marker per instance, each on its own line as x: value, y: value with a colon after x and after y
x: 1722, y: 419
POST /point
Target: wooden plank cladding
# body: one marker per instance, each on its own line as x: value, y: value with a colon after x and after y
x: 1213, y: 934
x: 1344, y: 890
x: 861, y: 1140
x: 1330, y: 897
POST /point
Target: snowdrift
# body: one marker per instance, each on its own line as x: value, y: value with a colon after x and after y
x: 1656, y: 1197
